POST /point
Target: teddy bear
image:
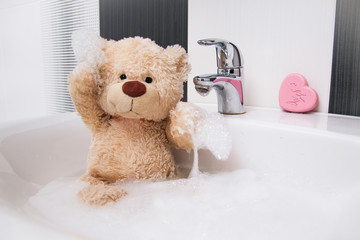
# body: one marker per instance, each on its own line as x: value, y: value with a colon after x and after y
x: 127, y: 93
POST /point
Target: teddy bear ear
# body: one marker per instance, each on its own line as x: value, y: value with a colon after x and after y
x: 88, y: 47
x: 177, y: 55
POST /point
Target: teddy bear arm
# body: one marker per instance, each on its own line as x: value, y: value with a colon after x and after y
x: 83, y: 91
x: 177, y: 137
x: 182, y: 123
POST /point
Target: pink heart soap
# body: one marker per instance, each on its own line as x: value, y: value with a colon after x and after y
x: 295, y: 94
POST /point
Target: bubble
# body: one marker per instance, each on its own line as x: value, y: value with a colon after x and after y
x: 232, y: 205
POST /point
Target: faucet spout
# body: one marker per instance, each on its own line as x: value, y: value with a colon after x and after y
x: 204, y: 83
x: 229, y: 91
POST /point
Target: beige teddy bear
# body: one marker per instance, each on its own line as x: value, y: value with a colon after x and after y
x: 127, y: 93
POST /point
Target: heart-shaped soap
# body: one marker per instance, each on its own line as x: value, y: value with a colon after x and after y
x: 295, y: 94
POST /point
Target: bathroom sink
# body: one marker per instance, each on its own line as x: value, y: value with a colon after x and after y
x: 312, y: 156
x: 314, y: 148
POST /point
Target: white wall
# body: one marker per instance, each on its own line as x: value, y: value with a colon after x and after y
x: 21, y: 73
x: 276, y: 38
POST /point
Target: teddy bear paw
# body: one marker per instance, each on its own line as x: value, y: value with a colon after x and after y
x: 183, y: 123
x: 101, y: 194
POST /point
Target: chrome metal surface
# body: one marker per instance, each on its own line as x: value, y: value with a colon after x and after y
x: 230, y: 69
x: 228, y: 55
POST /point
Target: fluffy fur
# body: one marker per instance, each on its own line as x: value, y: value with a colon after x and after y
x: 131, y: 136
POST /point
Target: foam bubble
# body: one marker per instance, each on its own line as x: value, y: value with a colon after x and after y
x: 212, y: 134
x: 208, y: 131
x: 87, y: 46
x: 234, y: 205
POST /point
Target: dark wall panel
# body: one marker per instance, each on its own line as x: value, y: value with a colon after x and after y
x: 164, y: 21
x: 345, y: 80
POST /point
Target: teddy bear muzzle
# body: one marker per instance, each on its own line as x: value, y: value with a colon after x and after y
x: 126, y: 99
x: 134, y: 89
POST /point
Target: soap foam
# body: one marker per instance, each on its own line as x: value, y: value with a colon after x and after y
x: 212, y: 134
x: 87, y: 46
x: 233, y: 205
x: 209, y: 131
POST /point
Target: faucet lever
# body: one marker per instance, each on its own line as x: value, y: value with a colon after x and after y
x: 229, y: 58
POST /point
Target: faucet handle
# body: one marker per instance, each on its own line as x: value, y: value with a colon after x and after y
x: 229, y: 58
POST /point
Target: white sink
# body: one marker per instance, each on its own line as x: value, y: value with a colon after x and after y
x: 318, y: 149
x: 305, y: 155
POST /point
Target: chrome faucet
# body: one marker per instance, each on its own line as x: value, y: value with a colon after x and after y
x: 228, y: 82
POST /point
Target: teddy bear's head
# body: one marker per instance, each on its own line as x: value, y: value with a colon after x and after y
x: 136, y: 78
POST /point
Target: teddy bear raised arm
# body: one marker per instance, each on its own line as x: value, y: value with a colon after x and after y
x: 127, y: 93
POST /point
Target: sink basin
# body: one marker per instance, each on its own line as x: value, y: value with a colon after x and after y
x: 316, y: 148
x: 297, y: 174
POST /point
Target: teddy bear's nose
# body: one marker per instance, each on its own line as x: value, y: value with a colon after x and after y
x: 134, y: 89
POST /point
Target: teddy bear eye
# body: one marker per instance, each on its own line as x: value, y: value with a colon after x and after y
x: 148, y: 80
x: 122, y: 76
